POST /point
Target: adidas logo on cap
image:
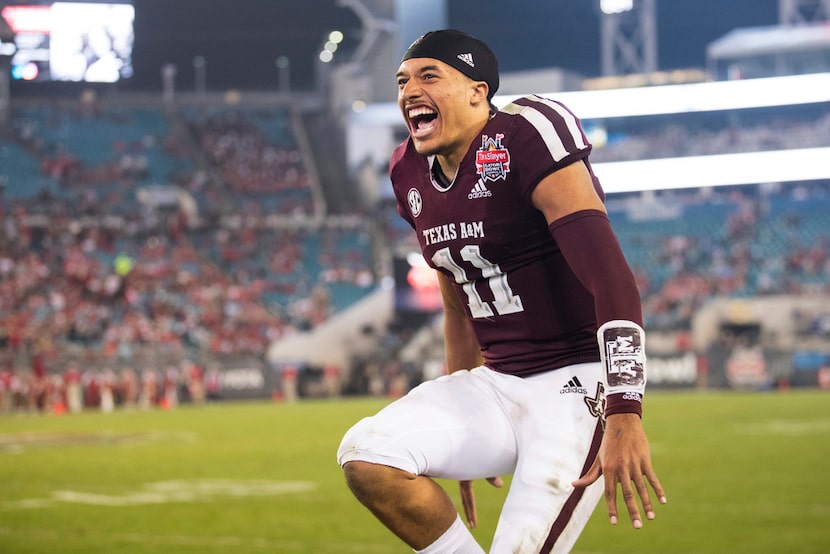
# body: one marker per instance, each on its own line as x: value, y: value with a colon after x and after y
x: 467, y: 59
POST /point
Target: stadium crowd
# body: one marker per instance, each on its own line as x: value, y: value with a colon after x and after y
x: 759, y: 242
x: 264, y: 176
x: 92, y: 275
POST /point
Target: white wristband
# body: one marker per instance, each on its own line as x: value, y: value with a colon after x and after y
x: 622, y: 347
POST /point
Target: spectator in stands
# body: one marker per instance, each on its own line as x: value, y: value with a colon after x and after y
x: 74, y: 392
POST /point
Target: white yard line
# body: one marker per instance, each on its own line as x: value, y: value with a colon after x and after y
x: 164, y: 492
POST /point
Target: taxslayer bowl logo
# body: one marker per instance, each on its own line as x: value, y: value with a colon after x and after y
x: 413, y: 197
x: 492, y: 159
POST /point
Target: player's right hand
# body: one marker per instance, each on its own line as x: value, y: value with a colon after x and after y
x: 624, y: 460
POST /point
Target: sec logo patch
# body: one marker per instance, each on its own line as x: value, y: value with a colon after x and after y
x: 413, y: 197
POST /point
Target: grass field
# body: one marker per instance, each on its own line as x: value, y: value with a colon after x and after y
x: 743, y: 473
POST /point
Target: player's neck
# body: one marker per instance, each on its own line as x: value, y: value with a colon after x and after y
x: 440, y: 176
x: 444, y: 171
x: 448, y: 163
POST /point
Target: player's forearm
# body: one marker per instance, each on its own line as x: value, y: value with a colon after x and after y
x: 593, y: 253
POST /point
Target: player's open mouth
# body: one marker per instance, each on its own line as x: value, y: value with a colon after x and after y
x: 422, y: 121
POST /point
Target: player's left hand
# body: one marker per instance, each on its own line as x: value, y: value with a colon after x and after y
x: 468, y: 499
x: 625, y: 458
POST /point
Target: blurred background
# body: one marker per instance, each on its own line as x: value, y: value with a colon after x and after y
x: 195, y: 206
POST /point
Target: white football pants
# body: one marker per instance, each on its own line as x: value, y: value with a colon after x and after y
x: 543, y: 429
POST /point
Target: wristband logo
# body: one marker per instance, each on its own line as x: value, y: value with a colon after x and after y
x: 632, y: 396
x: 624, y: 357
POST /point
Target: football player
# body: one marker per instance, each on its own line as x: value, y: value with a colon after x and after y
x: 541, y: 313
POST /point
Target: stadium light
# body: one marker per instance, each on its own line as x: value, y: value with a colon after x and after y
x: 695, y: 97
x: 283, y: 64
x: 750, y: 168
x: 610, y: 7
x: 200, y: 68
x: 330, y: 46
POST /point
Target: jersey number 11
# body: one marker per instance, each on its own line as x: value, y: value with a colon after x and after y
x: 505, y: 302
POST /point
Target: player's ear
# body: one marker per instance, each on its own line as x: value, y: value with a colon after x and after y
x: 479, y: 93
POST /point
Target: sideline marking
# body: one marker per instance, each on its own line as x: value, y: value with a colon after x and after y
x: 246, y: 542
x: 164, y: 492
x: 17, y: 443
x: 786, y: 427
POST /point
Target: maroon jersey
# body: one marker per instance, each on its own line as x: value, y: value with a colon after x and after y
x: 528, y: 310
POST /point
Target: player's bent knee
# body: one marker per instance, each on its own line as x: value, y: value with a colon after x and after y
x: 375, y: 445
x: 354, y: 441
